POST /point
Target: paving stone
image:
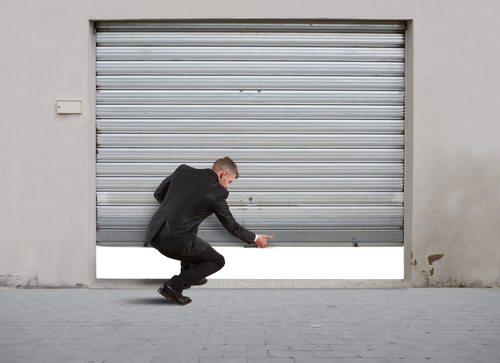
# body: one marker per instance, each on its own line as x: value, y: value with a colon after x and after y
x: 270, y: 360
x: 364, y: 360
x: 318, y: 360
x: 250, y: 326
x: 290, y: 354
x: 128, y: 360
x: 223, y: 360
x: 176, y: 360
x: 246, y: 354
x: 336, y: 354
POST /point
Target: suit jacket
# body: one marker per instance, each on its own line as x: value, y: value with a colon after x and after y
x: 187, y: 198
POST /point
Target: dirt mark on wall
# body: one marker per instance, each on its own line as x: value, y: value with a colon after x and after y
x: 434, y: 258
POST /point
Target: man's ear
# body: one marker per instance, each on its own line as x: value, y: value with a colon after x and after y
x: 222, y: 174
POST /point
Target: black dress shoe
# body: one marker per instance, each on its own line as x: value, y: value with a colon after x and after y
x: 167, y: 292
x: 198, y: 283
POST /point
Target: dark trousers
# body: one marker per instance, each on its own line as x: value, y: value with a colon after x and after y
x: 193, y: 268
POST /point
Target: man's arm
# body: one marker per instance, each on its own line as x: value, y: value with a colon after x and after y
x: 161, y: 191
x: 227, y: 220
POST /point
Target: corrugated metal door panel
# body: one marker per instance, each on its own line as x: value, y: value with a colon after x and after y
x: 242, y: 68
x: 289, y: 141
x: 211, y: 82
x: 291, y: 184
x: 270, y: 217
x: 262, y: 155
x: 282, y: 26
x: 312, y: 54
x: 259, y: 39
x: 277, y: 111
x: 211, y: 97
x: 177, y: 126
x: 271, y: 170
x: 265, y: 198
x: 313, y: 112
x: 295, y: 237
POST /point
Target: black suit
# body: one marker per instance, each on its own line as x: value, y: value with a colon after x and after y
x: 187, y: 198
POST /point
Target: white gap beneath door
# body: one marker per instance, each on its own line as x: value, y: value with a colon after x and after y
x: 253, y: 263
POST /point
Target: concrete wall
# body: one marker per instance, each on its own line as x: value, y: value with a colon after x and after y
x: 47, y: 178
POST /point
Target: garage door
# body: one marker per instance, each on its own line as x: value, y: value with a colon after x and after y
x: 312, y: 112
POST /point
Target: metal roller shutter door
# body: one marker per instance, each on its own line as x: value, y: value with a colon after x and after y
x: 312, y: 112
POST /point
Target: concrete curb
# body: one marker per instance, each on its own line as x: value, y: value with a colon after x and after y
x: 257, y: 284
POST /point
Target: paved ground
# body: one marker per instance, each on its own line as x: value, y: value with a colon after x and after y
x: 250, y: 326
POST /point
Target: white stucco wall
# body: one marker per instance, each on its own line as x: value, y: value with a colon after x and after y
x: 47, y: 178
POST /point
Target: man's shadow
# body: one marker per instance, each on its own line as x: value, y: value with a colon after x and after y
x: 150, y: 301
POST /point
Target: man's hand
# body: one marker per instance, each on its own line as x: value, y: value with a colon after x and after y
x: 261, y: 240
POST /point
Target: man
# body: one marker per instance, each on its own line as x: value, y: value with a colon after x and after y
x: 187, y: 198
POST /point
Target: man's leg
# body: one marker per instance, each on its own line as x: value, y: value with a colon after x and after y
x: 195, y: 268
x: 186, y: 266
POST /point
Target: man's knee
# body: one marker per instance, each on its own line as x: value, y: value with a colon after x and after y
x: 220, y: 262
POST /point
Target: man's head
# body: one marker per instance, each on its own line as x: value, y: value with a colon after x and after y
x: 226, y: 170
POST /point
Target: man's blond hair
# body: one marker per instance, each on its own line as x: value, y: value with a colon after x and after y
x: 226, y: 164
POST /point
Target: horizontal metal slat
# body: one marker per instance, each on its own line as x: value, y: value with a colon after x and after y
x: 241, y: 68
x: 252, y: 39
x: 266, y: 198
x: 377, y: 26
x: 266, y: 184
x: 251, y: 53
x: 317, y: 217
x: 117, y: 237
x: 354, y: 112
x: 247, y: 97
x: 173, y: 126
x: 311, y: 83
x: 291, y: 141
x: 183, y: 155
x: 298, y: 169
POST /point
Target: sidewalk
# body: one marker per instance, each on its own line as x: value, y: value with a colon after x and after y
x: 250, y: 326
